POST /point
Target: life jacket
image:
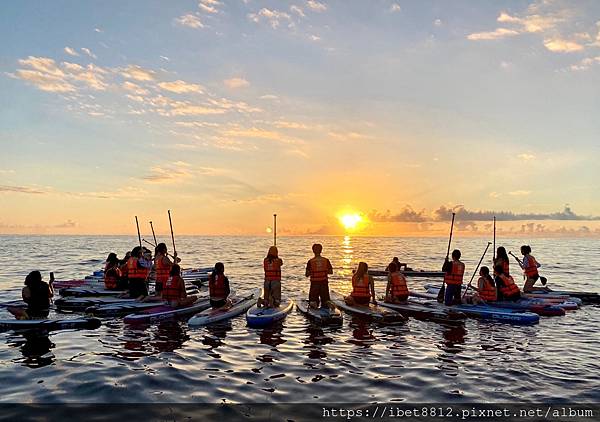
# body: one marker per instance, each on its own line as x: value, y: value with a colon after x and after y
x: 111, y: 276
x: 510, y: 288
x: 399, y: 287
x: 216, y: 287
x: 162, y: 269
x: 319, y: 269
x: 272, y: 269
x: 360, y: 287
x: 171, y: 289
x: 488, y: 291
x: 456, y: 274
x: 505, y: 266
x: 134, y: 271
x: 531, y: 270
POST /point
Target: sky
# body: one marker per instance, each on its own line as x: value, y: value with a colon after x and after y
x: 226, y: 112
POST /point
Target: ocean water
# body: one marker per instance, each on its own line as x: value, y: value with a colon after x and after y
x: 295, y: 361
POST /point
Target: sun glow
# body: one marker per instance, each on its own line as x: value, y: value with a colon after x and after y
x: 350, y: 221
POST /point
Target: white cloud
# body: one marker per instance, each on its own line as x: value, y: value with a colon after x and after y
x: 316, y: 6
x: 46, y: 75
x: 520, y: 193
x: 526, y: 157
x: 71, y: 52
x: 165, y: 58
x: 493, y: 35
x: 234, y: 83
x: 562, y: 46
x: 274, y: 17
x: 394, y: 8
x: 138, y: 73
x: 190, y: 21
x: 315, y: 38
x: 297, y: 10
x: 136, y: 89
x: 180, y: 87
x: 437, y: 22
x: 209, y: 6
x: 269, y: 97
x: 89, y: 53
x: 98, y: 30
x: 586, y: 63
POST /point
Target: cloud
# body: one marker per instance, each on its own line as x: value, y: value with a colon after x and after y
x: 532, y: 22
x: 190, y: 21
x: 289, y: 125
x: 22, y: 189
x: 209, y: 6
x: 89, y: 53
x: 297, y: 10
x: 443, y: 213
x: 562, y: 46
x: 526, y: 157
x: 316, y: 6
x: 71, y: 52
x: 314, y: 38
x: 137, y: 73
x: 586, y: 63
x: 69, y: 224
x: 406, y: 215
x: 136, y: 89
x: 254, y: 132
x: 181, y: 87
x: 344, y: 136
x: 437, y: 22
x: 395, y: 7
x: 493, y: 35
x: 170, y: 173
x: 274, y: 17
x: 519, y: 192
x: 269, y: 97
x: 234, y: 83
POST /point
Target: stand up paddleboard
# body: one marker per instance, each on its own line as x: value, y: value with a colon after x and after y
x: 322, y: 316
x: 262, y: 317
x: 50, y: 324
x: 238, y: 305
x: 370, y: 311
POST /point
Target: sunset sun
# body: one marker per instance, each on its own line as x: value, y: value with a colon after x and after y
x: 350, y: 221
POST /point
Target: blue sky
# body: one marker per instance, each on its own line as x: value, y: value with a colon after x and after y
x: 228, y: 110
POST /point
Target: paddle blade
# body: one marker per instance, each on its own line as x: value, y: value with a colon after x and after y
x: 441, y: 294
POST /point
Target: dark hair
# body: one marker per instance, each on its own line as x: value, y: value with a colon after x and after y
x: 111, y: 257
x: 175, y: 270
x: 501, y: 253
x: 160, y: 248
x: 392, y: 267
x: 456, y: 254
x: 499, y: 269
x: 486, y: 274
x: 135, y: 252
x: 525, y: 249
x: 33, y: 279
x: 317, y: 248
x: 219, y: 268
x: 395, y: 259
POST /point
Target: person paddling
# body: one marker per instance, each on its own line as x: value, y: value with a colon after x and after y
x: 486, y: 288
x: 318, y: 269
x: 162, y: 266
x: 530, y: 269
x: 272, y: 286
x: 112, y: 272
x: 37, y: 295
x: 506, y: 286
x: 137, y: 273
x: 173, y: 291
x: 397, y: 289
x: 363, y: 286
x: 502, y: 259
x: 218, y: 286
x: 397, y: 263
x: 453, y: 278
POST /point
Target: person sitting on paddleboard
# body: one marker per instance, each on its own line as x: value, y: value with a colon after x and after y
x: 363, y: 286
x: 112, y: 273
x: 506, y: 286
x: 218, y: 286
x: 396, y: 290
x: 37, y: 295
x: 162, y: 266
x: 272, y: 286
x: 173, y: 291
x: 137, y: 273
x: 502, y: 259
x: 318, y: 269
x: 397, y: 263
x: 486, y: 288
x: 453, y: 278
x: 530, y: 269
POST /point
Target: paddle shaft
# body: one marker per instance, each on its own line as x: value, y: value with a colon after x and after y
x: 443, y: 289
x: 172, y: 235
x: 494, y: 251
x: 153, y: 244
x: 476, y: 268
x: 138, y: 231
x: 274, y: 229
x: 153, y: 235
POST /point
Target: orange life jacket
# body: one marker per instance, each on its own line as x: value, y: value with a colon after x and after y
x: 272, y: 269
x: 456, y: 274
x: 505, y: 266
x: 399, y: 287
x: 319, y: 269
x: 172, y: 289
x: 531, y: 270
x: 134, y: 271
x: 111, y: 276
x: 488, y: 291
x: 162, y: 269
x: 216, y: 287
x: 360, y: 287
x: 510, y: 288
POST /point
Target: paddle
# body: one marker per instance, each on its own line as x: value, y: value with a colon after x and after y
x: 172, y: 236
x: 152, y: 244
x: 476, y: 268
x: 138, y: 230
x: 494, y: 249
x: 442, y: 291
x: 274, y: 229
x: 153, y: 235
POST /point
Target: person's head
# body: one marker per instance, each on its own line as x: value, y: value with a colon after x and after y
x: 455, y: 254
x: 362, y: 269
x: 161, y: 249
x: 128, y: 255
x: 136, y: 252
x: 392, y: 268
x: 273, y: 252
x: 33, y: 279
x: 219, y: 268
x: 147, y: 253
x: 111, y: 257
x: 501, y: 253
x: 499, y: 269
x: 175, y: 270
x: 484, y: 271
x: 396, y: 260
x: 317, y: 248
x: 525, y: 249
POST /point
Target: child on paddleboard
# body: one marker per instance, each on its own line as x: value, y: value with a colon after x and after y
x: 363, y: 286
x: 173, y: 291
x: 37, y: 295
x: 218, y: 286
x: 396, y: 290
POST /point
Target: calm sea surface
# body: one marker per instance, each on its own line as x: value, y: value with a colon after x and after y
x: 294, y: 361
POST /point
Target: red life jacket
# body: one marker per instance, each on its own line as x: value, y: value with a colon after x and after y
x: 134, y: 271
x: 360, y: 287
x: 531, y: 270
x: 111, y: 276
x: 488, y: 291
x: 399, y: 287
x: 216, y: 287
x: 319, y: 269
x: 162, y: 269
x: 172, y: 289
x: 272, y: 269
x: 510, y: 288
x: 456, y: 274
x: 505, y: 266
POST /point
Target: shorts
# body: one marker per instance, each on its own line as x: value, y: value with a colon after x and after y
x: 218, y: 303
x: 452, y: 296
x: 137, y: 287
x: 361, y: 300
x: 274, y: 287
x: 319, y: 291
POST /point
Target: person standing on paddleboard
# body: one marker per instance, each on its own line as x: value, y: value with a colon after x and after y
x: 272, y: 286
x: 397, y: 289
x: 162, y: 266
x: 173, y: 291
x: 137, y: 275
x: 453, y: 278
x: 218, y: 286
x: 37, y: 295
x: 318, y: 269
x: 363, y: 287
